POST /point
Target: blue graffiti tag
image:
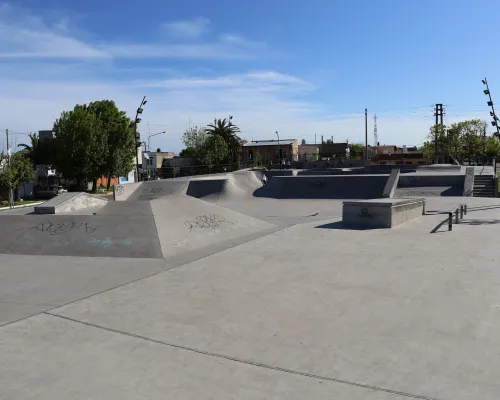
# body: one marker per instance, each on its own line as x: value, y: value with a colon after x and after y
x: 108, y: 242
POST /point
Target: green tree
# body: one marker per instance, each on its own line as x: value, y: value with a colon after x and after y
x: 355, y: 150
x: 189, y: 152
x: 120, y: 137
x: 194, y: 139
x: 38, y: 151
x: 257, y: 159
x: 82, y: 145
x: 436, y: 146
x: 20, y: 170
x: 303, y: 142
x: 215, y: 150
x: 492, y: 145
x: 329, y: 141
x: 229, y: 132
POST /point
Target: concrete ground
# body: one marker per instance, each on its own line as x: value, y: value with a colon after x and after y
x: 305, y: 311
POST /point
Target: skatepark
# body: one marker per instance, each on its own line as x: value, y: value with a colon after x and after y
x: 220, y: 287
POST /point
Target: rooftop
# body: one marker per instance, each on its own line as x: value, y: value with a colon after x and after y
x: 283, y: 142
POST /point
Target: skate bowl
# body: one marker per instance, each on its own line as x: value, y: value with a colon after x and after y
x: 431, y: 184
x: 325, y: 187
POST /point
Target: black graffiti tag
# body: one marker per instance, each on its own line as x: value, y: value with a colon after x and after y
x: 206, y: 221
x: 60, y: 228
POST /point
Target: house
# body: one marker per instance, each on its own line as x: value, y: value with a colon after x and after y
x: 272, y: 150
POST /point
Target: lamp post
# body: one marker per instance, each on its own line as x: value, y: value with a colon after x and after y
x: 137, y: 120
x: 490, y: 103
x: 279, y: 153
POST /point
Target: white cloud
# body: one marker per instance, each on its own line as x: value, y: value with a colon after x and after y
x: 190, y: 29
x: 24, y: 35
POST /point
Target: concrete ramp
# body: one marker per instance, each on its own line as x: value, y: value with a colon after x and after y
x: 156, y: 189
x: 324, y: 187
x: 70, y: 202
x: 129, y: 235
x: 188, y: 227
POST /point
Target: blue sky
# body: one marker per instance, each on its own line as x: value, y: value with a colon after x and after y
x: 300, y: 67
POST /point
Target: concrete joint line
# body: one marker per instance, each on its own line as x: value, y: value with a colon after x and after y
x: 242, y: 361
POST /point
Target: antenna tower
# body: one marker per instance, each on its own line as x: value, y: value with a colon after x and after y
x: 375, y: 132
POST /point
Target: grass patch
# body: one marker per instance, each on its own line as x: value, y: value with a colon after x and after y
x: 19, y: 203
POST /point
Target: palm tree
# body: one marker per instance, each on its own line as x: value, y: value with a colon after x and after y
x: 229, y: 132
x: 32, y: 150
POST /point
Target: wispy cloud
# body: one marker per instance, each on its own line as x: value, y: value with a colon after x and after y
x: 190, y: 29
x: 24, y: 35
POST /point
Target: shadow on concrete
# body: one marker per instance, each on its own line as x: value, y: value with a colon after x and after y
x: 476, y: 222
x: 441, y: 227
x: 470, y: 209
x: 339, y: 225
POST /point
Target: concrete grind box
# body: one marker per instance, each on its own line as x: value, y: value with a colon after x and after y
x: 381, y: 213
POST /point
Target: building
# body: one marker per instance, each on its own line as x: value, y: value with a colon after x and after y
x: 268, y: 150
x: 394, y: 155
x: 333, y: 150
x: 154, y: 159
x: 308, y: 152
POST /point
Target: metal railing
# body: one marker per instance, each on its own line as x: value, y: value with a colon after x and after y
x: 457, y: 213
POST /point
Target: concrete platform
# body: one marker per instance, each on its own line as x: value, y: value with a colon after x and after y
x: 380, y: 213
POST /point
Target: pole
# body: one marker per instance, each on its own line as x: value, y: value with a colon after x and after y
x: 366, y: 134
x: 436, y: 133
x: 135, y: 134
x: 314, y: 138
x: 492, y: 107
x: 279, y: 153
x: 8, y: 164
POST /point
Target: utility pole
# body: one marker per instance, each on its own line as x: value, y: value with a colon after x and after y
x: 366, y: 134
x: 375, y: 131
x: 438, y: 113
x: 8, y: 164
x: 314, y: 138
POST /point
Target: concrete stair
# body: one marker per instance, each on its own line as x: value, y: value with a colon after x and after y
x: 484, y: 186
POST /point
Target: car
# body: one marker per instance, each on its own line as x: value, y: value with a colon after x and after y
x: 52, y: 191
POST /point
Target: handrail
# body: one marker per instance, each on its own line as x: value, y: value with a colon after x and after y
x: 455, y: 210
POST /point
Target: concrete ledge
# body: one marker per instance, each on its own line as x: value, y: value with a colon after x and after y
x: 391, y: 185
x: 381, y: 213
x: 469, y: 182
x: 68, y: 202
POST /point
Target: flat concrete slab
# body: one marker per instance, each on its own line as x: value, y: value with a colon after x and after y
x: 32, y: 284
x: 55, y: 367
x: 413, y: 311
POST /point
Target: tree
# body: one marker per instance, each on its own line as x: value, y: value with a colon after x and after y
x: 120, y: 138
x: 189, y: 152
x: 437, y: 144
x: 81, y: 144
x: 229, y: 133
x: 19, y: 171
x: 329, y: 141
x: 492, y: 145
x: 194, y: 139
x: 303, y: 142
x: 158, y: 150
x: 356, y: 149
x: 257, y: 159
x: 39, y: 152
x: 215, y: 150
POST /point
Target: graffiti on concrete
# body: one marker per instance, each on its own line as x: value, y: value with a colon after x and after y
x: 119, y: 190
x: 211, y: 221
x: 108, y: 242
x: 319, y: 184
x: 156, y: 190
x: 52, y: 229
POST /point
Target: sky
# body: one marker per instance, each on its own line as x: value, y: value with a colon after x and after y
x: 303, y: 68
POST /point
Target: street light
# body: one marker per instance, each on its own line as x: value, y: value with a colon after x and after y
x: 490, y: 104
x: 151, y: 135
x: 138, y: 136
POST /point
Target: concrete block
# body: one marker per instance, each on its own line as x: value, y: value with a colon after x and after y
x: 469, y: 182
x: 380, y: 213
x: 68, y: 202
x: 391, y: 185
